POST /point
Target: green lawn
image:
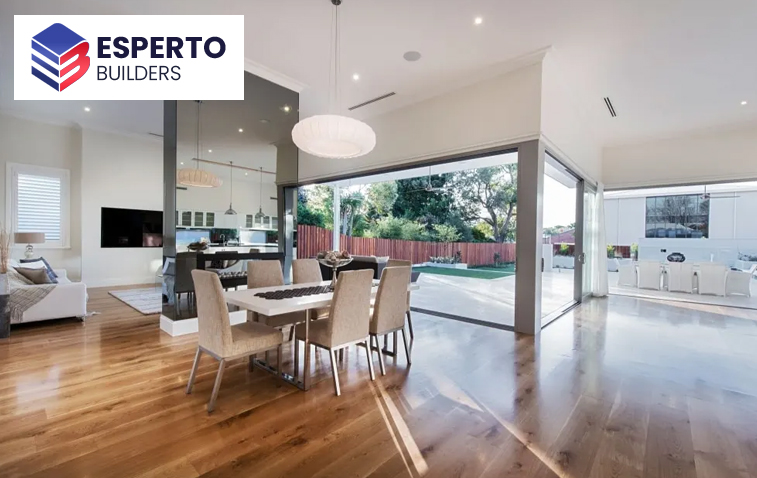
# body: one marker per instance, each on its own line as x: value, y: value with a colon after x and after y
x: 483, y: 272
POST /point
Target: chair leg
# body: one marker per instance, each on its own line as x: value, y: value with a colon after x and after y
x: 407, y: 349
x: 278, y: 358
x: 251, y: 363
x: 410, y: 325
x: 382, y: 367
x: 332, y: 356
x: 291, y: 332
x: 341, y: 355
x: 296, y: 357
x: 217, y: 386
x: 368, y: 356
x: 394, y: 342
x: 193, y: 373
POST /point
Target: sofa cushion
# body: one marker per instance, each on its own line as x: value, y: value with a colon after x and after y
x: 42, y: 265
x: 50, y: 270
x: 37, y: 276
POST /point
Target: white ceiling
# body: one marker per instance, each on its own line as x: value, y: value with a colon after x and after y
x: 669, y: 66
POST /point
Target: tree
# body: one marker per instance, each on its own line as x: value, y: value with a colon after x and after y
x: 482, y: 232
x: 380, y: 199
x: 350, y: 211
x: 489, y: 195
x: 446, y: 233
x: 391, y: 227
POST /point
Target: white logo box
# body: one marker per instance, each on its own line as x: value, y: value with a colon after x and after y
x: 202, y: 77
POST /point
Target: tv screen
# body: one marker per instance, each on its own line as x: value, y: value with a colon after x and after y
x: 131, y: 228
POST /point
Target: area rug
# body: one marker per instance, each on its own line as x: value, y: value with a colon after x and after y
x: 147, y: 301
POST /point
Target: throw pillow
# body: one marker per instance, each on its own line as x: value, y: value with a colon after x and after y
x: 51, y: 272
x: 37, y: 276
x: 16, y: 279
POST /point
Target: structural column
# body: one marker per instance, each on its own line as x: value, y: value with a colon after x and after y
x: 337, y: 222
x: 529, y: 237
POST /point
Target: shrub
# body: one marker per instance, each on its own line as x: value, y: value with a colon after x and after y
x: 747, y: 257
x: 497, y: 259
x: 610, y: 251
x: 564, y: 250
x: 446, y: 233
x: 634, y: 251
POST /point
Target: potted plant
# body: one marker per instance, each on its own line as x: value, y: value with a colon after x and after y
x: 5, y: 320
x: 635, y: 251
x: 563, y: 258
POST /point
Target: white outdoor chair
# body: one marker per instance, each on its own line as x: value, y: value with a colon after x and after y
x: 681, y: 277
x: 650, y: 273
x: 627, y: 273
x: 740, y: 282
x: 712, y: 277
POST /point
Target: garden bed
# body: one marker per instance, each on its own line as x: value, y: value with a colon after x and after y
x: 445, y: 266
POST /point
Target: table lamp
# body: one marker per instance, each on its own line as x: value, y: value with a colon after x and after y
x: 29, y: 238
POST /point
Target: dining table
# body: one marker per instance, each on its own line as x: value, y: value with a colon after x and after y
x: 250, y: 299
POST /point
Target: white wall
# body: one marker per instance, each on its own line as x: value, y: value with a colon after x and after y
x: 565, y: 124
x: 122, y: 172
x: 498, y: 111
x: 697, y: 158
x: 56, y: 146
x: 625, y: 220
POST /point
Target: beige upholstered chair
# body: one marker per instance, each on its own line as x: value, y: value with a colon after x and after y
x: 306, y: 271
x: 218, y: 338
x: 269, y: 274
x: 347, y: 323
x: 401, y: 263
x: 389, y: 310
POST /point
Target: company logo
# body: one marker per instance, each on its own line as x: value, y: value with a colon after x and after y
x: 56, y: 52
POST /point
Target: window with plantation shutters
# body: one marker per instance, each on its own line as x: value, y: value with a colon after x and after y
x: 39, y: 202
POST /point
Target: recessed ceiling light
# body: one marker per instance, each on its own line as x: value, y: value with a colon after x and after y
x: 245, y: 174
x: 355, y: 77
x: 412, y: 56
x: 210, y: 151
x: 743, y: 103
x: 286, y: 108
x: 478, y: 21
x: 241, y: 130
x: 181, y: 164
x: 86, y: 108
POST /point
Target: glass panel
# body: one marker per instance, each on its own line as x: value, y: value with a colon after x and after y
x: 560, y: 255
x: 591, y: 231
x: 198, y: 219
x: 210, y: 219
x: 454, y: 222
x: 249, y: 221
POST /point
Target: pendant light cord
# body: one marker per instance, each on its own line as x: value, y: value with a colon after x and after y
x: 335, y: 103
x: 197, y: 152
x: 231, y: 183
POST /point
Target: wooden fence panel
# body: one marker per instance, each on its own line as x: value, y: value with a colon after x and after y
x: 313, y: 239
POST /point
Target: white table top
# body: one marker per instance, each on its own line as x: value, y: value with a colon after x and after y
x: 246, y: 299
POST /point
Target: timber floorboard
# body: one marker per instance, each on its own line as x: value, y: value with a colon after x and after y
x: 619, y: 387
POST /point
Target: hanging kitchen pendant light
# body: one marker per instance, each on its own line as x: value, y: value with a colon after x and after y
x: 334, y: 135
x: 230, y: 211
x: 260, y: 214
x: 197, y: 177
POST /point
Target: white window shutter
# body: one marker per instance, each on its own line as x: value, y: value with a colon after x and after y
x: 39, y: 206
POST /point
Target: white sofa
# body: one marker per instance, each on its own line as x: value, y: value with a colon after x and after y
x: 68, y: 299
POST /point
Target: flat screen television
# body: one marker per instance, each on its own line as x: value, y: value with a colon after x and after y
x: 131, y: 228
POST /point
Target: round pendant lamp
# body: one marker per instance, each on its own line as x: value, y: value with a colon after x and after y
x: 334, y: 135
x: 196, y: 177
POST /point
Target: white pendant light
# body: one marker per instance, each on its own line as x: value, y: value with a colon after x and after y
x: 333, y: 135
x: 197, y: 177
x: 230, y: 211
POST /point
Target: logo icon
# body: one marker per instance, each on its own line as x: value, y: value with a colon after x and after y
x: 53, y: 53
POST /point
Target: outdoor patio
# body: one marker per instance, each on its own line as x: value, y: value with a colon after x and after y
x: 490, y: 300
x: 728, y: 301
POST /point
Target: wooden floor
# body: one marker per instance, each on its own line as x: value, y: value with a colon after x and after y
x: 621, y: 387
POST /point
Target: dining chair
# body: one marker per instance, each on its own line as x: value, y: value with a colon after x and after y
x: 347, y: 324
x: 712, y: 278
x: 388, y: 314
x: 627, y: 274
x: 680, y: 277
x: 306, y: 271
x: 186, y: 262
x: 650, y: 273
x: 740, y: 282
x: 219, y: 339
x: 401, y: 263
x: 270, y: 274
